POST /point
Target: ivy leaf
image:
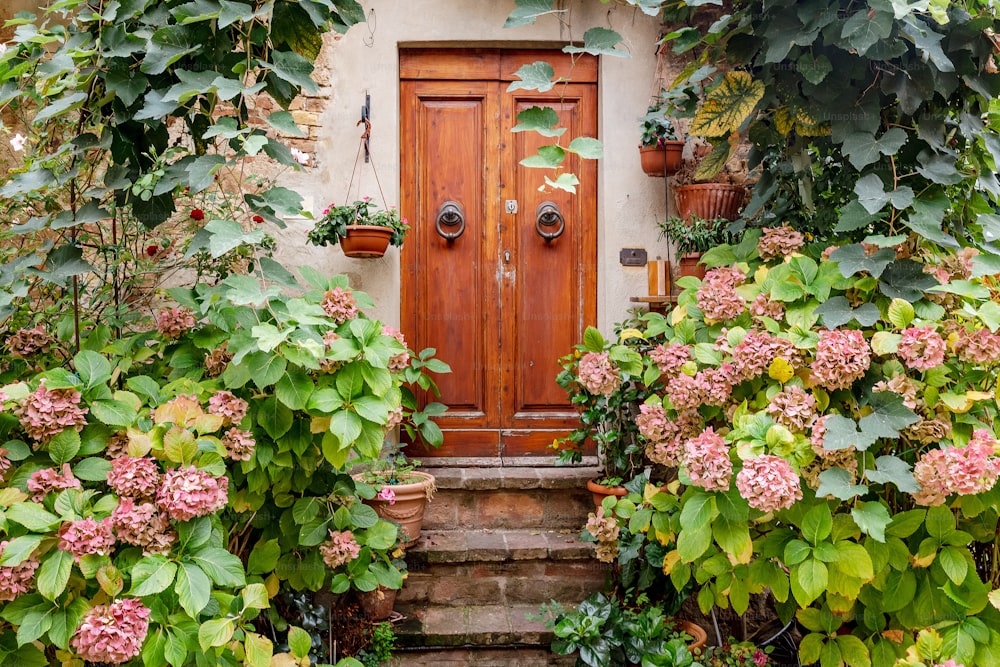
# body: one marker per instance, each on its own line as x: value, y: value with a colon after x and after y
x: 566, y: 181
x: 586, y: 147
x: 927, y: 216
x: 727, y: 105
x: 814, y: 70
x: 599, y: 42
x: 542, y: 120
x: 526, y: 11
x: 548, y: 157
x: 861, y: 32
x: 536, y: 76
x: 836, y: 482
x: 873, y: 195
x: 892, y: 469
x: 854, y: 259
x: 928, y: 43
x: 167, y: 45
x: 863, y: 149
x: 854, y: 216
x: 63, y: 263
x: 837, y: 311
x: 293, y: 68
x: 905, y: 279
x: 228, y: 234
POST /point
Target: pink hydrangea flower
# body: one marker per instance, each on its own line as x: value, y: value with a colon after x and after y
x: 652, y: 422
x: 706, y: 459
x: 189, y: 492
x: 717, y: 297
x: 395, y: 418
x: 5, y: 463
x: 112, y: 633
x: 949, y: 663
x: 26, y: 343
x: 793, y: 407
x: 669, y: 358
x: 239, y: 444
x: 48, y: 479
x: 964, y: 471
x: 87, y: 536
x: 978, y: 346
x: 778, y: 242
x: 217, y: 360
x: 339, y: 304
x: 227, y: 405
x: 16, y: 580
x: 768, y: 483
x: 134, y: 477
x: 399, y: 361
x: 842, y: 357
x: 387, y: 495
x: 597, y: 374
x: 902, y: 385
x: 762, y: 306
x: 46, y: 412
x: 340, y: 549
x: 174, y: 322
x: 921, y: 348
x: 754, y: 355
x: 143, y: 525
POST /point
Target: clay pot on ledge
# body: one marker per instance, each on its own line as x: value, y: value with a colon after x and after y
x: 408, y: 504
x: 365, y: 241
x: 661, y: 160
x: 377, y: 604
x: 600, y: 492
x: 689, y: 265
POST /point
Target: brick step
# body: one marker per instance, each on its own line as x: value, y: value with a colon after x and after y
x: 480, y: 656
x: 436, y: 626
x: 552, y: 498
x: 505, y: 567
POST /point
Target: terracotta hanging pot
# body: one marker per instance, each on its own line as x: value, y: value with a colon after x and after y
x: 365, y: 241
x: 661, y: 161
x: 689, y: 265
x: 698, y: 635
x: 709, y: 200
x: 600, y: 492
x: 407, y: 508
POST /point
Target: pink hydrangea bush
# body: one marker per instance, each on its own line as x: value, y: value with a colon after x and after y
x: 112, y: 633
x: 187, y: 492
x: 44, y: 412
x: 16, y: 580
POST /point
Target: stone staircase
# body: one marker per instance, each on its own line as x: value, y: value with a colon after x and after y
x: 497, y: 542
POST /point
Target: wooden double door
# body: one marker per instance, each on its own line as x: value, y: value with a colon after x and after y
x: 497, y: 275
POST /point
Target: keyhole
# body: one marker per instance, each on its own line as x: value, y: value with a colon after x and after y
x: 506, y: 256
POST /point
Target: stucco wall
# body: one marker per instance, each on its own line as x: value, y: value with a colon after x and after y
x: 366, y: 61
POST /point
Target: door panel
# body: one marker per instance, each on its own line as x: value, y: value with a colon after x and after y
x: 500, y: 303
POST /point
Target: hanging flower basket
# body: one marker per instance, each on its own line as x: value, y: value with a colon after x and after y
x: 662, y: 160
x: 366, y: 241
x: 710, y: 200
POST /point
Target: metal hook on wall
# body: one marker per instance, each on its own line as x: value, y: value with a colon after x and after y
x: 366, y: 118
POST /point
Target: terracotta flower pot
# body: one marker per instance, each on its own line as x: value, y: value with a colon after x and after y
x: 377, y: 604
x: 407, y: 507
x: 661, y: 161
x: 365, y: 241
x: 709, y: 200
x: 600, y: 492
x: 698, y: 635
x: 689, y: 266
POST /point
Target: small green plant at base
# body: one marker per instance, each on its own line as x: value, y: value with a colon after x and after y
x: 735, y: 653
x: 696, y: 234
x: 383, y: 642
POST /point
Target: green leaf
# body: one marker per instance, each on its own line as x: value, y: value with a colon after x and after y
x: 266, y: 369
x: 299, y: 642
x: 547, y: 157
x: 853, y: 259
x: 167, y: 46
x: 19, y: 549
x: 92, y: 368
x: 92, y: 469
x: 565, y: 181
x: 872, y: 518
x: 905, y: 279
x: 215, y: 632
x: 113, y: 412
x: 901, y: 313
x: 809, y: 580
x: 285, y: 123
x: 32, y: 516
x: 542, y: 120
x: 927, y: 216
x: 599, y: 42
x: 293, y: 68
x: 838, y: 483
x: 53, y: 574
x: 817, y: 524
x: 264, y: 557
x: 259, y: 650
x: 226, y: 235
x: 864, y: 30
x: 863, y: 149
x: 536, y: 76
x: 294, y: 389
x: 593, y: 340
x: 853, y: 651
x: 151, y: 575
x: 64, y: 446
x: 954, y: 562
x: 222, y: 567
x: 255, y: 596
x: 892, y: 469
x: 526, y: 11
x: 193, y: 589
x: 274, y: 417
x: 727, y: 105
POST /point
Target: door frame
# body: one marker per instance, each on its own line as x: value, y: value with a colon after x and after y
x: 483, y: 64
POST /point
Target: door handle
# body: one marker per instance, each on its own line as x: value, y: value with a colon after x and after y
x: 452, y: 216
x: 547, y: 216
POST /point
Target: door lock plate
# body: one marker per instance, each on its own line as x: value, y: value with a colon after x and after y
x: 510, y: 206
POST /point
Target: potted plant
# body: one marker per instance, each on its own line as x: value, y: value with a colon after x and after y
x: 608, y: 633
x: 660, y: 148
x: 397, y: 491
x: 721, y: 197
x: 361, y: 228
x: 693, y: 236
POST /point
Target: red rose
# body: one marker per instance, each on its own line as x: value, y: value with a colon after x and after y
x: 197, y: 214
x: 152, y: 250
x: 258, y: 219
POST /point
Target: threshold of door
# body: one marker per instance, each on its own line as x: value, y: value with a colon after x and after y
x: 503, y: 462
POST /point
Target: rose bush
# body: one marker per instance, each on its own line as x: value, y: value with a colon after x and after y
x: 161, y: 487
x: 832, y: 414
